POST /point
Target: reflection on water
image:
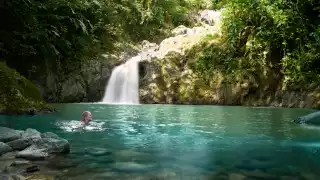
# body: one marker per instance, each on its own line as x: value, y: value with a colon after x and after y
x: 185, y: 140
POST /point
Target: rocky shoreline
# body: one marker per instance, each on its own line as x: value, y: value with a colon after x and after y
x: 21, y: 152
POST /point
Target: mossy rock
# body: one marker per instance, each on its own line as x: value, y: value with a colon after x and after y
x: 18, y: 95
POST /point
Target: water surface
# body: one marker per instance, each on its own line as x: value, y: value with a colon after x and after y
x: 183, y: 141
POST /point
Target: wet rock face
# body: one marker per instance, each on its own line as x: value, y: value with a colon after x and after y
x: 142, y: 70
x: 7, y: 134
x: 168, y: 77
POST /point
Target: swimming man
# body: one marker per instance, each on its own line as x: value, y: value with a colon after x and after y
x: 86, y: 117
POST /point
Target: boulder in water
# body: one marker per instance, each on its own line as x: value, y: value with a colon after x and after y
x: 33, y: 153
x: 51, y: 145
x: 28, y: 133
x: 29, y: 137
x: 49, y: 135
x: 41, y: 148
x: 33, y: 144
x: 21, y: 144
x: 312, y: 119
x: 4, y: 148
x: 7, y: 134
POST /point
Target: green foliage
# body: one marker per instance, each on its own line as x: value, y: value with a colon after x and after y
x: 17, y: 94
x: 59, y: 35
x: 302, y: 67
x: 152, y: 19
x: 267, y: 36
x: 43, y: 34
x: 218, y: 4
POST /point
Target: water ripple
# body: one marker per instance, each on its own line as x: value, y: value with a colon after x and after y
x: 73, y: 126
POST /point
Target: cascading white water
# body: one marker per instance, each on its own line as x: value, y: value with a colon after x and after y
x: 123, y: 85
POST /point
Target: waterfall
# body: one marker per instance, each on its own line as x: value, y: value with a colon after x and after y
x: 123, y: 85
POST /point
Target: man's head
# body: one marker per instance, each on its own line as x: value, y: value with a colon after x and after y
x: 86, y: 116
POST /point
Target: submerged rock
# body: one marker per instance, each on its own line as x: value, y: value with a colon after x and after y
x: 259, y: 175
x: 7, y: 134
x: 4, y: 148
x: 8, y: 156
x: 33, y: 168
x: 20, y: 163
x: 17, y: 177
x: 60, y: 162
x: 130, y: 153
x: 31, y: 133
x: 236, y: 176
x: 132, y: 166
x: 39, y: 177
x: 6, y: 160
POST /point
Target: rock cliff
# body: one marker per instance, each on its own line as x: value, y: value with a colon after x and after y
x: 170, y: 77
